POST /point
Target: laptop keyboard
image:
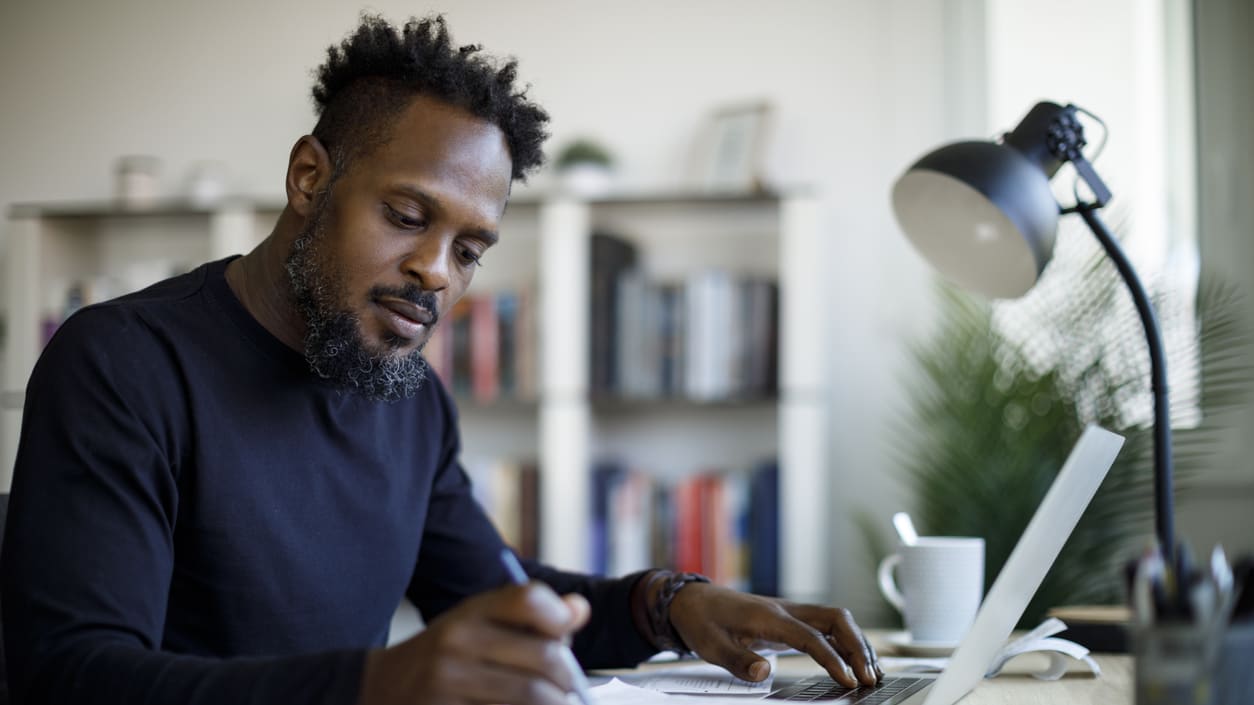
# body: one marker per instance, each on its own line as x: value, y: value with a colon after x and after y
x: 893, y: 689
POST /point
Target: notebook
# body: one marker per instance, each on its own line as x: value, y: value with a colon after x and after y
x: 1051, y: 525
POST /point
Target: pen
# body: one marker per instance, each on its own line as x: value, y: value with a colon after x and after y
x: 519, y: 577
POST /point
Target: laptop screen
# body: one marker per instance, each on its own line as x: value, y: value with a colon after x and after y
x: 1055, y: 518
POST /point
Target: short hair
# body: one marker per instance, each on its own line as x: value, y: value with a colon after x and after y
x: 374, y: 73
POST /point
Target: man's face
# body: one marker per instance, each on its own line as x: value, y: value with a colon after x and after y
x: 394, y: 243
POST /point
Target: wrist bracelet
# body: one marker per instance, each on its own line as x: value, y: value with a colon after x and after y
x: 660, y: 613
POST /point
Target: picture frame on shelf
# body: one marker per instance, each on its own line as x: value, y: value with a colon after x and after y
x: 731, y: 148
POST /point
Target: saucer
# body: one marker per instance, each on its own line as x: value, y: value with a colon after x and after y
x: 904, y: 645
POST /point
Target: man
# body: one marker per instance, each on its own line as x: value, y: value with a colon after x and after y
x: 226, y: 482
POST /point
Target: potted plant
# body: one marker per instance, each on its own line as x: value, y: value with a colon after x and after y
x: 585, y: 168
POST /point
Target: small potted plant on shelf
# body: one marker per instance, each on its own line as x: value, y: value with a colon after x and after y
x: 585, y: 168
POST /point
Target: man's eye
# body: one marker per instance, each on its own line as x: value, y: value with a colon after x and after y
x: 403, y: 220
x: 470, y: 257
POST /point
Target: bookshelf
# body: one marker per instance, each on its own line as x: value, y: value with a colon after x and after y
x: 560, y: 425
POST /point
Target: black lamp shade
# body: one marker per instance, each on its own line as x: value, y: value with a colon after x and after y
x: 982, y: 213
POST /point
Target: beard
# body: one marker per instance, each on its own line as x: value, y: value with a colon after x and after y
x: 335, y: 348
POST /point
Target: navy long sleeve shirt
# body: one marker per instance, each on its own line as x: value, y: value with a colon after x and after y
x: 198, y: 518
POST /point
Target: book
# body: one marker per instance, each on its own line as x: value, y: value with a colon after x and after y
x: 459, y: 332
x: 605, y: 476
x: 759, y: 355
x: 763, y: 530
x: 611, y: 256
x: 508, y: 342
x: 484, y: 349
x: 525, y: 335
x: 670, y: 339
x: 529, y: 509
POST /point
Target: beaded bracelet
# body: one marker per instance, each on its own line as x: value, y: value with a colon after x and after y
x: 660, y: 614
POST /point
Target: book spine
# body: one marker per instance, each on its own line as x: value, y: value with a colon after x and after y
x: 764, y: 530
x: 527, y: 367
x: 484, y: 349
x: 604, y: 477
x: 688, y: 528
x: 529, y: 511
x: 459, y: 330
x: 507, y: 344
x: 611, y: 256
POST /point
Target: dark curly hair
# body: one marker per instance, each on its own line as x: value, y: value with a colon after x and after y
x: 374, y: 73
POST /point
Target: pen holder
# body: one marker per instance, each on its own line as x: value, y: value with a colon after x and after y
x: 1189, y: 664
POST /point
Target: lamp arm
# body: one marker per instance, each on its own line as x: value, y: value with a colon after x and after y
x: 1165, y: 524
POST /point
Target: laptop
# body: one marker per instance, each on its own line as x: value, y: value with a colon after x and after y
x: 1031, y: 558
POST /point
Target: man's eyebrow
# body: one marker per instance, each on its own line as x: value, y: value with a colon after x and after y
x: 490, y: 236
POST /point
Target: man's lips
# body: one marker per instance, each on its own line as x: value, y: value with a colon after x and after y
x: 409, y: 310
x: 404, y: 318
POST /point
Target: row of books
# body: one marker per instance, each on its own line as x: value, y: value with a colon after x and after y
x: 486, y: 348
x: 722, y: 524
x: 713, y: 336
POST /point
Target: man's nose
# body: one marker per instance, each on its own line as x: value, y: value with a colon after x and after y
x: 429, y: 262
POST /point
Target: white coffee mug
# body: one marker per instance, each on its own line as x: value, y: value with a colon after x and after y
x: 941, y: 583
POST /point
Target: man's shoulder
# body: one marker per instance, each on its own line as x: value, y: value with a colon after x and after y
x: 174, y: 296
x: 163, y: 295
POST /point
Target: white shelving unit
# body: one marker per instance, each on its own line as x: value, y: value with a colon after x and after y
x: 675, y: 235
x: 545, y: 245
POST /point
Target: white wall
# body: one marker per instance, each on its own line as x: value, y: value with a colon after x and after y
x: 860, y: 88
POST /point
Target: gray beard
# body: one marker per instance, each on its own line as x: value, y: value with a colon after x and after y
x: 334, y: 346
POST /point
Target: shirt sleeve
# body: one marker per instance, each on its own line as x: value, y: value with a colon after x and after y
x: 89, y: 543
x: 460, y: 557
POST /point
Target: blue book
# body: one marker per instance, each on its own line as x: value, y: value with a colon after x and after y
x: 605, y: 476
x: 764, y: 530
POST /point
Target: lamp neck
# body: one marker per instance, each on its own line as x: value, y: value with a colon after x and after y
x: 1163, y: 482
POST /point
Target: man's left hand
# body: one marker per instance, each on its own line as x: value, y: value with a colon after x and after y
x: 723, y: 626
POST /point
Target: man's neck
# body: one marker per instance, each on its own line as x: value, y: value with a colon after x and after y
x: 259, y: 281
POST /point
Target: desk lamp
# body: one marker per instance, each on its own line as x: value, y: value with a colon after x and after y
x: 983, y: 214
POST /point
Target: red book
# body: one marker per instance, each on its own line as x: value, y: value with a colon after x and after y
x: 714, y: 529
x: 688, y: 525
x: 485, y: 349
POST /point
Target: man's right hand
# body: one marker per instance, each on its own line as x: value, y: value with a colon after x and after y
x: 502, y: 646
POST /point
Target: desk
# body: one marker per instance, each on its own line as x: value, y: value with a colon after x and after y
x: 1013, y: 686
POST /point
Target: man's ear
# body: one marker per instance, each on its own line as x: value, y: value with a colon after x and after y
x: 308, y: 173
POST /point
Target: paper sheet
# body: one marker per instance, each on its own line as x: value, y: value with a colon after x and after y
x: 701, y: 679
x: 1058, y: 650
x: 616, y: 692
